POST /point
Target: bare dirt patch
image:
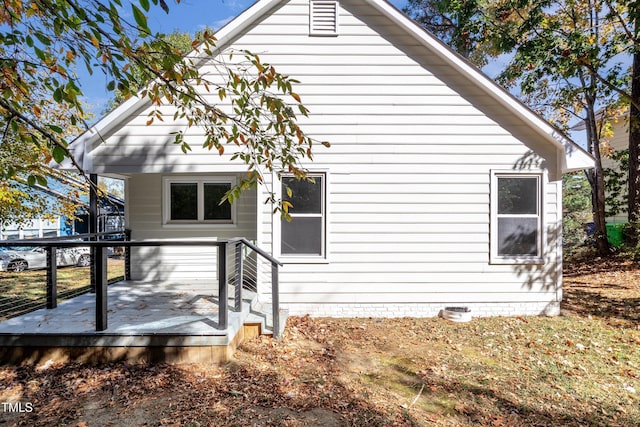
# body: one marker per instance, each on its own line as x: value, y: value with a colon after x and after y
x: 578, y: 369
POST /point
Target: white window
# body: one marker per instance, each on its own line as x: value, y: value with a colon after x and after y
x: 516, y: 218
x: 197, y: 200
x: 304, y: 235
x: 323, y: 18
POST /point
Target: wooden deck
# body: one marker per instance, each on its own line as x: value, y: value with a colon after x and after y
x: 147, y: 322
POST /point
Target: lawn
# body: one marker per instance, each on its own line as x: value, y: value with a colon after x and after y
x: 579, y: 369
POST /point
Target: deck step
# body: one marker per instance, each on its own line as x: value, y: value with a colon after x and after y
x: 262, y: 314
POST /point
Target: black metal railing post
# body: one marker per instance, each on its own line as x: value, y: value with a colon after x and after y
x: 275, y: 300
x: 239, y: 277
x: 127, y: 256
x: 100, y: 279
x: 93, y: 225
x: 52, y: 278
x: 92, y: 269
x: 223, y: 301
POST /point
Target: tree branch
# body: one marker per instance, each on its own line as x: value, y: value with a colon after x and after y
x: 43, y: 132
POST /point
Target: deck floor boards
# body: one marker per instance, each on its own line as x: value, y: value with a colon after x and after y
x: 135, y: 309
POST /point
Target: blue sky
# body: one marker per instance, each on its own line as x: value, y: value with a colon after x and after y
x: 187, y: 16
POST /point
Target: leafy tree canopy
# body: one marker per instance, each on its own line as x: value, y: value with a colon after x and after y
x: 42, y: 42
x: 26, y: 166
x: 568, y: 60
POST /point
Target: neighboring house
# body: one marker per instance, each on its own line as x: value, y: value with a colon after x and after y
x: 110, y: 212
x: 618, y: 142
x: 439, y: 189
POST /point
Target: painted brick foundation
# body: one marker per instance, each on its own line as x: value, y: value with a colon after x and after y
x: 423, y: 310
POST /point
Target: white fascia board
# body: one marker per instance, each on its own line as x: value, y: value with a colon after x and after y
x: 537, y: 123
x: 227, y: 33
x: 577, y: 159
x: 85, y: 142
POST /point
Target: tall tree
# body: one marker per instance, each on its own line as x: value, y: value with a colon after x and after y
x: 565, y: 62
x: 43, y: 41
x: 633, y: 32
x: 454, y: 25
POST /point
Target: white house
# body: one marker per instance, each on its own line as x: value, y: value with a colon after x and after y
x: 439, y: 188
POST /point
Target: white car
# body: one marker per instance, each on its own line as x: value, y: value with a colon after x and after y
x: 19, y: 258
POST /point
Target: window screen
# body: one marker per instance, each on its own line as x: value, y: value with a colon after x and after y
x: 304, y: 234
x: 518, y: 222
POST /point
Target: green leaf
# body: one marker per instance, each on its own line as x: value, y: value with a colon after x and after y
x: 140, y: 17
x: 57, y: 95
x: 31, y: 180
x: 40, y: 54
x: 55, y: 128
x: 58, y: 154
x: 43, y: 39
x: 145, y: 5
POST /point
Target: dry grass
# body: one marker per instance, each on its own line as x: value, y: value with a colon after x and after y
x: 578, y: 369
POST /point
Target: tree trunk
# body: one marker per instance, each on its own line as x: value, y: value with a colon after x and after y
x: 596, y: 180
x: 634, y: 150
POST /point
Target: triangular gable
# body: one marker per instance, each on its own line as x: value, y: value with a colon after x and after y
x: 574, y: 158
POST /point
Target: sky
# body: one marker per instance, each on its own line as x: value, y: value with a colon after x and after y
x: 187, y: 16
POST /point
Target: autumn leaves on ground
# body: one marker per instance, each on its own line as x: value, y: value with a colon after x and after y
x: 582, y: 368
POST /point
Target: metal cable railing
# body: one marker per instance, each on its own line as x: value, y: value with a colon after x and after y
x: 24, y: 275
x: 237, y: 265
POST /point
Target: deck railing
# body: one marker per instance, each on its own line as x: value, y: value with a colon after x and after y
x: 99, y: 283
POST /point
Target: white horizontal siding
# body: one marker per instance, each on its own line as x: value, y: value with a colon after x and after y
x: 144, y: 204
x: 409, y: 172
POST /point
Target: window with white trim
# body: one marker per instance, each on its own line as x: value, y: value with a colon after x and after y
x: 197, y: 200
x: 516, y: 223
x: 304, y: 235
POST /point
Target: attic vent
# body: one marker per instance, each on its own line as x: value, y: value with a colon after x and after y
x: 323, y: 18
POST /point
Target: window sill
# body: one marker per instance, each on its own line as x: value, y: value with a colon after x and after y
x: 517, y: 261
x: 200, y: 225
x: 289, y: 259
